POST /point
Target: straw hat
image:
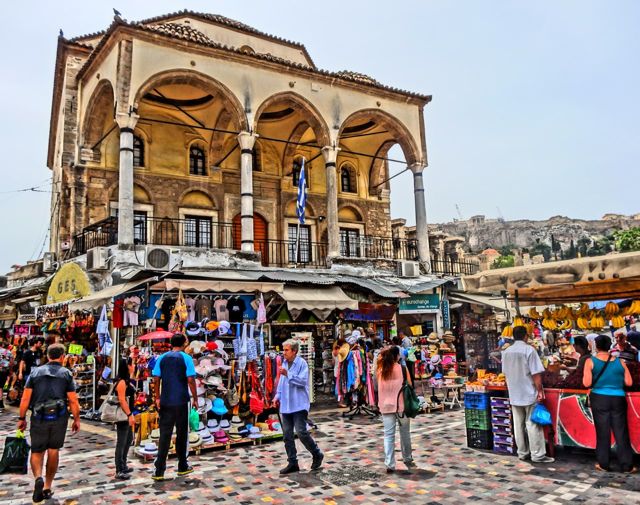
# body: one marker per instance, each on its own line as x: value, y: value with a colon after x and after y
x: 433, y: 338
x: 343, y: 352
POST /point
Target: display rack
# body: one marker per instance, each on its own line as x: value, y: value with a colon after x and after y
x: 84, y: 376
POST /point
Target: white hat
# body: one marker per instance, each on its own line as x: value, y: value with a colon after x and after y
x: 255, y: 433
x: 194, y: 439
x: 224, y: 327
x: 197, y: 346
x: 212, y: 425
x: 224, y: 424
x: 149, y: 448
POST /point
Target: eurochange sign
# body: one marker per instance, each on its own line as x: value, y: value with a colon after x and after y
x: 420, y: 304
x: 69, y: 283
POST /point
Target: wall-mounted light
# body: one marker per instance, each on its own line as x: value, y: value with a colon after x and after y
x: 321, y: 219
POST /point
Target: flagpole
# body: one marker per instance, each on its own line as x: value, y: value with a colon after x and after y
x: 297, y: 245
x: 301, y: 181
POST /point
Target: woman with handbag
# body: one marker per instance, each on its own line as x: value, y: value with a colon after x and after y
x: 391, y: 377
x: 607, y: 376
x: 124, y: 429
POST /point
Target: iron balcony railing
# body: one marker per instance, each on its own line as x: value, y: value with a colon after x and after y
x: 454, y: 267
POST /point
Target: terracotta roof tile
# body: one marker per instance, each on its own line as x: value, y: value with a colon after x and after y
x: 183, y: 32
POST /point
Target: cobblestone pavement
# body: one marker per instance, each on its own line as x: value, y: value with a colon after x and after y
x: 448, y: 472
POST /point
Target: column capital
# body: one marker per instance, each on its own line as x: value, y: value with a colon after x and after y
x: 330, y: 154
x: 127, y: 120
x: 417, y: 168
x: 247, y: 140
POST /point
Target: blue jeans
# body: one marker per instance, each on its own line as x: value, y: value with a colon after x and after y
x: 389, y: 422
x: 297, y: 421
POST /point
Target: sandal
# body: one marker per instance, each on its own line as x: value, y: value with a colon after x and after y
x: 47, y: 493
x: 633, y: 469
x: 601, y: 469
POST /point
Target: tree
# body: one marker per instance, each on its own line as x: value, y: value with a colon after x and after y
x: 601, y: 246
x: 584, y: 244
x: 507, y: 250
x: 541, y: 248
x: 504, y: 262
x: 556, y: 247
x: 627, y: 240
x: 571, y: 252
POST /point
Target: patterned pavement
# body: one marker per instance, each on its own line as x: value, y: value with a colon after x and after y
x: 448, y: 472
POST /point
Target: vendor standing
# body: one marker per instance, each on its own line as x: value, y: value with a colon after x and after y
x: 523, y: 370
x: 623, y: 349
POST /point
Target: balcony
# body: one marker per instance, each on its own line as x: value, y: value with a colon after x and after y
x: 204, y: 233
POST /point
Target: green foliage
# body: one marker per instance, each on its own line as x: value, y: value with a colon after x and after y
x: 627, y: 240
x: 583, y: 246
x: 541, y: 248
x: 601, y: 246
x: 507, y: 250
x: 504, y: 261
x: 572, y: 252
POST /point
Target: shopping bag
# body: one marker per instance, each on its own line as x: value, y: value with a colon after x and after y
x: 541, y: 415
x: 16, y: 454
x: 110, y: 410
x: 410, y: 398
x: 194, y: 420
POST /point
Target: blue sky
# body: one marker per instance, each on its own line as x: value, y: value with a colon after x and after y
x: 534, y: 110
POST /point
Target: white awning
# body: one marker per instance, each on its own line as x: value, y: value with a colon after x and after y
x: 320, y: 301
x: 216, y: 285
x: 99, y: 298
x: 481, y: 299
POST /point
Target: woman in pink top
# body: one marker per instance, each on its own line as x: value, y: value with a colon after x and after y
x: 390, y: 378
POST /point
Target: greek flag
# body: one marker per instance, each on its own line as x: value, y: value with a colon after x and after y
x: 302, y: 194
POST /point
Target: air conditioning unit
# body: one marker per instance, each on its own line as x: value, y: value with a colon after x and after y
x: 97, y: 259
x: 49, y: 262
x: 161, y: 258
x: 408, y: 269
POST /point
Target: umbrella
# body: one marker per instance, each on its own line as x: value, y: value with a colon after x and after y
x: 156, y: 335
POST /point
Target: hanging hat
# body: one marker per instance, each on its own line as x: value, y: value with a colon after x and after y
x: 435, y: 359
x: 213, y: 381
x: 211, y: 346
x: 212, y: 325
x: 343, y: 352
x: 433, y: 338
x: 192, y: 329
x: 219, y: 407
x: 356, y: 334
x: 351, y: 339
x: 223, y: 327
x: 220, y: 349
x: 197, y: 346
x: 219, y: 364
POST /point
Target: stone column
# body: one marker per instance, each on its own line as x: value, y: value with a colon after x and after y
x: 422, y: 233
x: 246, y: 141
x: 127, y: 123
x: 333, y: 230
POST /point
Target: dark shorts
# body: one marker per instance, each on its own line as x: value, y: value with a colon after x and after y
x: 48, y: 434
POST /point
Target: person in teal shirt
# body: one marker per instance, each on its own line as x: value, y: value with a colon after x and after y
x: 607, y: 376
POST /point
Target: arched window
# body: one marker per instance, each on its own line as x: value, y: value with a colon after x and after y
x: 138, y: 151
x: 348, y: 181
x: 197, y: 161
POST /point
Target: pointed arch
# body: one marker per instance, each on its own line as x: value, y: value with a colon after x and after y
x: 98, y: 117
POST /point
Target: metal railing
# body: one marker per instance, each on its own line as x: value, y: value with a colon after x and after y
x: 197, y: 232
x: 282, y: 253
x: 454, y: 267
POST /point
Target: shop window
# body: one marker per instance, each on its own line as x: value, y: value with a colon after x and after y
x: 138, y: 151
x: 348, y: 181
x: 197, y: 161
x: 304, y: 247
x: 350, y: 242
x: 197, y: 231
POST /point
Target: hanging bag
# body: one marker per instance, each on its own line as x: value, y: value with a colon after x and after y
x: 16, y: 454
x: 411, y: 401
x: 233, y: 397
x: 256, y: 398
x: 111, y: 411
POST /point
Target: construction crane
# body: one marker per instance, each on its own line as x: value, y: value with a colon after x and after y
x: 500, y: 216
x: 459, y: 213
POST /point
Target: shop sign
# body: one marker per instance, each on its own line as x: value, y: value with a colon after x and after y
x: 446, y: 317
x: 75, y: 349
x: 21, y: 329
x: 420, y: 304
x: 70, y: 283
x: 370, y: 312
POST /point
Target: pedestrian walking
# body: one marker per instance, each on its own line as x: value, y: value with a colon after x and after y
x: 391, y: 375
x: 31, y: 358
x: 6, y: 363
x: 173, y: 376
x: 607, y: 375
x: 523, y: 370
x: 292, y: 398
x: 124, y: 429
x: 50, y: 394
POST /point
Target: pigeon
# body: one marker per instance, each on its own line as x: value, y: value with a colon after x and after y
x: 117, y: 13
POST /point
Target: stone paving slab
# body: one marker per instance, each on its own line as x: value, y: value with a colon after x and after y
x: 448, y: 473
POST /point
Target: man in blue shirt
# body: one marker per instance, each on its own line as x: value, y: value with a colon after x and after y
x: 176, y: 372
x: 292, y: 396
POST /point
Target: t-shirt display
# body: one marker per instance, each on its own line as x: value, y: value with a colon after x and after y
x: 236, y: 308
x: 203, y: 309
x: 222, y: 313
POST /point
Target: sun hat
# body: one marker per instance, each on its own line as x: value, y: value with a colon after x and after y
x: 234, y: 433
x: 206, y: 437
x: 220, y: 436
x: 236, y: 421
x: 223, y: 327
x: 212, y: 425
x: 212, y: 325
x: 194, y: 439
x: 343, y: 352
x: 356, y: 334
x: 255, y: 433
x: 220, y: 349
x: 219, y: 364
x: 435, y: 359
x: 219, y: 407
x: 192, y: 329
x: 352, y: 339
x: 213, y: 381
x: 224, y: 424
x: 433, y: 338
x: 206, y: 407
x: 149, y: 448
x: 197, y: 346
x: 155, y: 434
x: 243, y: 431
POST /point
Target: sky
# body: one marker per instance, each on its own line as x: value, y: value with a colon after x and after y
x: 535, y: 109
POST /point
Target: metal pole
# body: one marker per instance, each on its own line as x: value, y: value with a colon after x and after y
x: 297, y: 245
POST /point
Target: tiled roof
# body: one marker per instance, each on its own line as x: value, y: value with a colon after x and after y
x: 189, y: 34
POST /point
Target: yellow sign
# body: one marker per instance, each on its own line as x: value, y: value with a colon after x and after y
x: 75, y: 349
x: 69, y: 283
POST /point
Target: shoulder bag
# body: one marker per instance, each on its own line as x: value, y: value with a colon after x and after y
x: 411, y: 401
x: 593, y: 382
x: 111, y: 411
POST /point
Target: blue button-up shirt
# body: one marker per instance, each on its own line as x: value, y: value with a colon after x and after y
x: 293, y: 389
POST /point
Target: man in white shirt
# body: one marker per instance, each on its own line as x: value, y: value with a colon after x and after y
x: 523, y: 369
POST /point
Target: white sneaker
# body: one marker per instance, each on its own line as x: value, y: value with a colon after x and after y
x: 546, y: 459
